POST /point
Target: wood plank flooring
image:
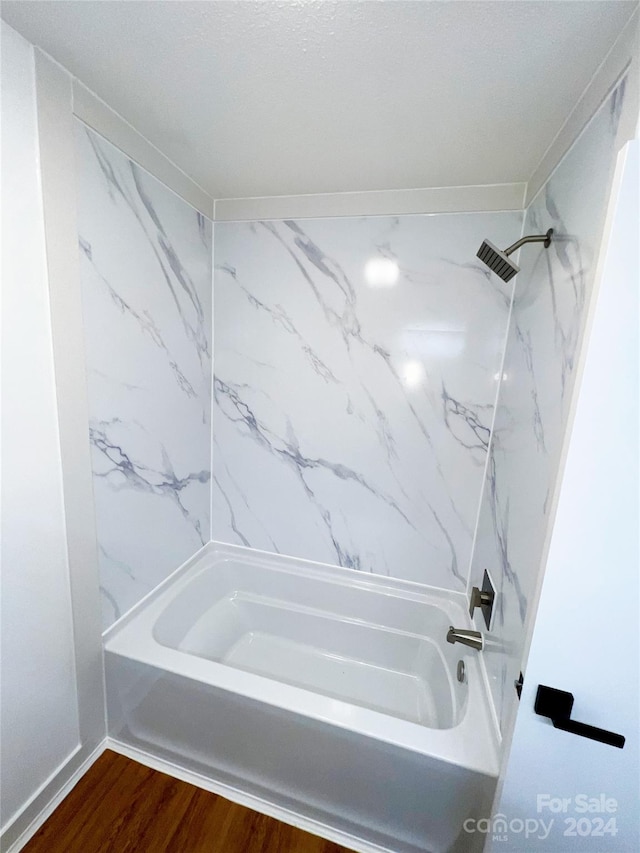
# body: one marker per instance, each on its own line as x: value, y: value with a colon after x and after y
x: 120, y: 806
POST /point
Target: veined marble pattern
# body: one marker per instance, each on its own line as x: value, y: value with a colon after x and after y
x: 550, y: 304
x: 352, y: 414
x: 146, y: 278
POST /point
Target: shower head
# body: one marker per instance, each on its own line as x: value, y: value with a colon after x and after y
x: 500, y: 263
x: 497, y: 261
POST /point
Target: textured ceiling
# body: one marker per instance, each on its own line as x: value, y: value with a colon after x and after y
x: 269, y: 98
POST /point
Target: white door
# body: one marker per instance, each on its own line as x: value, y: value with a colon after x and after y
x: 564, y: 792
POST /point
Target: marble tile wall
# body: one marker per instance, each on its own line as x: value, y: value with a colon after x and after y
x: 146, y: 279
x: 356, y: 367
x: 551, y: 299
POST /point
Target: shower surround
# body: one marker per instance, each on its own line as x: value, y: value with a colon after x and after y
x: 356, y: 367
x: 146, y: 284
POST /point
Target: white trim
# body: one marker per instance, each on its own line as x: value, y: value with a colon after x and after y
x: 213, y: 369
x: 251, y: 801
x: 610, y: 70
x: 63, y: 787
x: 98, y: 115
x: 34, y: 796
x: 492, y: 197
x: 234, y: 795
x: 57, y: 174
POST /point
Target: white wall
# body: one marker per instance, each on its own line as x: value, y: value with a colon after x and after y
x: 40, y: 724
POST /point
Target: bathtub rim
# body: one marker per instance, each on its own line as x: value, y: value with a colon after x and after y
x: 473, y: 743
x: 340, y: 574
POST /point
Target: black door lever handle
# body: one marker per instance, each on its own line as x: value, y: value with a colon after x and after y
x: 558, y: 704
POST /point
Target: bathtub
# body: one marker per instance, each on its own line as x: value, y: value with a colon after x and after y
x: 328, y: 694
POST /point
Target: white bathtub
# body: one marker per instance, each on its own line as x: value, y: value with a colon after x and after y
x: 330, y: 693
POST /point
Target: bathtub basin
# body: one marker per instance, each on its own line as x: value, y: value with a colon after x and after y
x: 328, y: 692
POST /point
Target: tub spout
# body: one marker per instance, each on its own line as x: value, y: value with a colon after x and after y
x: 467, y: 638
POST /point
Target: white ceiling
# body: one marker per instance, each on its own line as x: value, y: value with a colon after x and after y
x: 271, y: 97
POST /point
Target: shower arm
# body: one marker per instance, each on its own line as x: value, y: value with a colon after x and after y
x: 534, y: 238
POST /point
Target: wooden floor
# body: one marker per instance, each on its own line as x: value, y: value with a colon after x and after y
x: 121, y: 806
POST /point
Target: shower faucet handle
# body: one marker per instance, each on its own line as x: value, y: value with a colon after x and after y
x: 483, y: 598
x: 478, y: 598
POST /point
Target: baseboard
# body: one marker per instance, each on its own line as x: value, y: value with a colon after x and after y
x: 251, y: 801
x: 22, y: 830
